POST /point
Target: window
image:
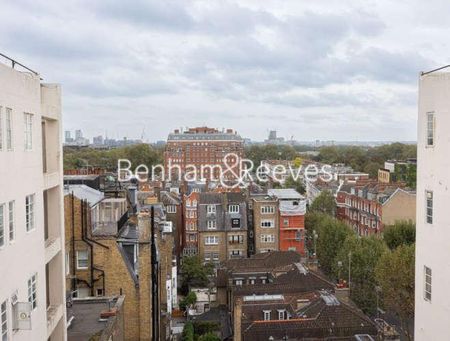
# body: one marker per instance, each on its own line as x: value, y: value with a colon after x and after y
x: 4, y: 321
x: 236, y: 239
x: 298, y: 235
x: 171, y: 209
x: 266, y: 315
x: 429, y: 213
x: 211, y: 240
x: 8, y: 121
x: 28, y: 120
x: 238, y: 282
x: 211, y: 208
x: 281, y: 314
x: 430, y: 128
x: 286, y: 222
x: 211, y: 224
x: 32, y: 291
x: 267, y: 238
x: 235, y: 253
x: 233, y: 209
x: 235, y: 223
x: 267, y: 209
x: 12, y: 234
x: 267, y: 223
x: 427, y: 286
x: 82, y: 259
x: 29, y: 212
x: 67, y: 263
x: 99, y: 292
x: 2, y: 225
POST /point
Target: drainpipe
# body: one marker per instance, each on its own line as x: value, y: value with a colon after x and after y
x: 73, y: 282
x: 154, y: 262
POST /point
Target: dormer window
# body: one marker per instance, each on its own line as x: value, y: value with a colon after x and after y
x: 211, y: 209
x: 266, y: 315
x: 282, y: 314
x: 233, y: 208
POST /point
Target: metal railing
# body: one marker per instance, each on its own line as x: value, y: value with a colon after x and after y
x: 15, y: 62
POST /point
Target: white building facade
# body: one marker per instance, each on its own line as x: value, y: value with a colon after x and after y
x: 432, y: 298
x: 32, y: 292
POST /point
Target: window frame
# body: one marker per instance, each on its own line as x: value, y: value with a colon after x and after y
x: 431, y: 129
x: 429, y: 207
x: 9, y: 129
x: 28, y: 131
x: 32, y: 291
x: 233, y: 208
x: 4, y: 320
x: 12, y: 220
x: 427, y: 281
x: 2, y: 226
x: 267, y: 315
x: 211, y: 225
x: 29, y: 212
x: 78, y: 252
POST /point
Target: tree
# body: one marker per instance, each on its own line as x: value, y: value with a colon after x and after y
x: 395, y: 275
x: 206, y: 327
x: 188, y: 332
x: 324, y: 203
x: 195, y: 273
x: 189, y: 300
x: 401, y: 233
x: 209, y: 337
x: 361, y: 256
x: 331, y: 236
x: 313, y: 220
x: 295, y: 184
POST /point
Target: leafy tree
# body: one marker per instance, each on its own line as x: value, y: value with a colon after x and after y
x: 188, y: 332
x: 189, y: 300
x: 331, y: 237
x: 364, y: 255
x: 313, y: 220
x: 395, y: 275
x: 206, y: 327
x: 195, y: 273
x: 295, y: 184
x: 257, y: 153
x: 209, y: 337
x: 401, y: 233
x: 324, y: 203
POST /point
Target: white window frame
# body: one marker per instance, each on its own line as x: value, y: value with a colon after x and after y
x: 267, y: 209
x: 29, y: 212
x: 282, y: 314
x: 269, y: 222
x: 427, y: 285
x: 2, y: 226
x: 431, y: 129
x: 9, y: 129
x: 267, y: 314
x: 429, y: 207
x: 211, y: 224
x: 233, y: 208
x: 267, y: 238
x: 4, y: 320
x: 211, y: 209
x: 32, y: 291
x: 28, y: 130
x: 67, y: 263
x: 11, y: 220
x: 211, y: 240
x: 171, y: 209
x: 78, y: 253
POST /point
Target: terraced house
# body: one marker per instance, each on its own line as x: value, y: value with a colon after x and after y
x: 222, y: 226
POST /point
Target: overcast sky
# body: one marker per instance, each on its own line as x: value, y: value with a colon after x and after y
x: 330, y: 70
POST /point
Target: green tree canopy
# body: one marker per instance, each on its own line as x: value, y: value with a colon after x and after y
x: 324, y: 203
x: 395, y: 275
x: 189, y: 300
x: 364, y: 255
x: 401, y: 233
x: 331, y: 236
x: 295, y: 184
x: 209, y: 337
x: 195, y: 273
x: 188, y: 332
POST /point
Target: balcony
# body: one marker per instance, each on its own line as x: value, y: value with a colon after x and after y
x: 51, y: 180
x: 52, y: 247
x: 54, y: 315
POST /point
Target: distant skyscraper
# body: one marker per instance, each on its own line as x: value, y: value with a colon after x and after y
x: 67, y: 136
x: 78, y: 135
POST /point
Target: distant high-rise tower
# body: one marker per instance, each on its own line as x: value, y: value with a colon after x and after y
x: 78, y: 134
x: 272, y: 135
x: 67, y: 136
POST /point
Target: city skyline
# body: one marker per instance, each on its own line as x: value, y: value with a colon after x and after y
x: 305, y: 70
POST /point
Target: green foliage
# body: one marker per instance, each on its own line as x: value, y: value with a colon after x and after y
x: 189, y: 300
x: 332, y: 235
x: 297, y: 185
x: 369, y: 160
x: 313, y: 220
x: 401, y: 233
x: 209, y: 337
x: 89, y: 157
x: 324, y: 203
x: 364, y: 255
x: 257, y: 153
x: 188, y: 332
x: 206, y: 327
x: 395, y: 275
x: 195, y: 273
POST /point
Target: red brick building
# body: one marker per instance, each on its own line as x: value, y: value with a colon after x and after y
x: 202, y: 146
x: 292, y: 209
x: 368, y: 205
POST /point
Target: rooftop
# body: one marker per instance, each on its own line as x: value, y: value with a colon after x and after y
x: 84, y: 192
x: 285, y: 193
